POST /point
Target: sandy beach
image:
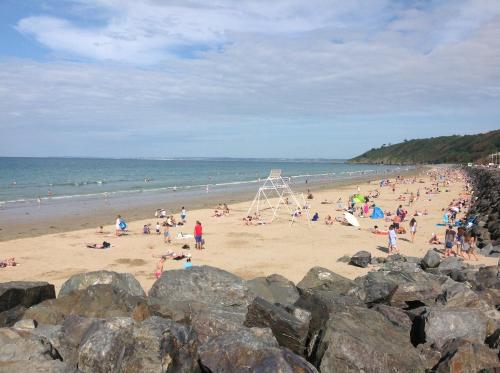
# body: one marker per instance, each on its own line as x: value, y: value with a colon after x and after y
x: 248, y: 251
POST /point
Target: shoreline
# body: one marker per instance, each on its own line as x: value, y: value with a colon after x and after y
x: 247, y: 251
x: 105, y: 212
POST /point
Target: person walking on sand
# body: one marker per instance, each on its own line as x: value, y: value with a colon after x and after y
x: 413, y: 228
x: 183, y: 215
x: 393, y: 247
x: 198, y: 235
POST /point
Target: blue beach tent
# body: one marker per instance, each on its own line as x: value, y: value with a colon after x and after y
x: 377, y: 213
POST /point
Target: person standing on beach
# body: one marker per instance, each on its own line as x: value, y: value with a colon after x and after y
x: 393, y: 247
x: 449, y: 239
x: 413, y: 228
x: 183, y: 214
x: 118, y: 222
x: 198, y: 235
x: 166, y: 234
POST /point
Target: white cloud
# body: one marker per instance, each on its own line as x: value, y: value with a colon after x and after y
x: 332, y: 69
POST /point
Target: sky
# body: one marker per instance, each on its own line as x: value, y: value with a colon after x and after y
x: 242, y: 78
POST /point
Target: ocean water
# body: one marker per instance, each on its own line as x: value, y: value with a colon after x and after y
x: 25, y: 180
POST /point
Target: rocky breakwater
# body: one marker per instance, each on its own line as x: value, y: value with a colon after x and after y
x: 486, y: 207
x: 410, y: 315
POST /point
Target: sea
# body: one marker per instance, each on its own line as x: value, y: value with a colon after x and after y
x: 39, y: 180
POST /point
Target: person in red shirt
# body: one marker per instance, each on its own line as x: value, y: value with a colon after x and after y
x: 198, y: 235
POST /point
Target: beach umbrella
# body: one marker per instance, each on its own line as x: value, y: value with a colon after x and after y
x: 351, y: 219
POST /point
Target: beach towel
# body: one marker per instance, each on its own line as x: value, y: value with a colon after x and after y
x: 377, y: 213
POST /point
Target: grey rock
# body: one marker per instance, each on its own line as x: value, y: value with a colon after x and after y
x: 431, y: 259
x: 11, y: 316
x: 322, y: 279
x: 361, y: 339
x: 440, y: 325
x: 451, y: 264
x: 361, y: 259
x: 274, y: 289
x: 123, y: 281
x: 289, y: 331
x: 250, y: 350
x: 394, y: 315
x: 493, y: 340
x: 488, y: 277
x: 25, y: 324
x: 375, y: 287
x: 154, y: 345
x: 344, y: 259
x: 94, y: 301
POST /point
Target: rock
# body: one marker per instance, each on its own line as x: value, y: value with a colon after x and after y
x: 493, y: 341
x: 202, y: 284
x: 10, y: 317
x: 26, y: 324
x: 289, y: 331
x: 375, y: 287
x: 17, y: 296
x: 274, y: 289
x: 321, y: 306
x: 431, y: 259
x: 394, y: 315
x: 440, y: 325
x: 361, y: 339
x: 250, y: 350
x: 123, y: 281
x: 464, y: 356
x: 488, y: 277
x: 490, y: 296
x: 451, y: 264
x: 213, y: 301
x: 154, y: 345
x: 361, y: 259
x: 422, y: 290
x: 456, y: 294
x: 27, y: 353
x: 322, y: 279
x: 94, y: 301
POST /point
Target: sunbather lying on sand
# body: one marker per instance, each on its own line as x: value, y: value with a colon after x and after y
x: 435, y: 240
x: 329, y: 220
x: 9, y: 262
x: 103, y: 245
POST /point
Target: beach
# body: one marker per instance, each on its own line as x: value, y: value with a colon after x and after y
x: 248, y: 251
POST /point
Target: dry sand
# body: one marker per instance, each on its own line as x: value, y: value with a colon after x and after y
x: 248, y: 251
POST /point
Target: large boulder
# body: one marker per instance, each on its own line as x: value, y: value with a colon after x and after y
x: 94, y: 301
x: 213, y: 301
x: 488, y: 277
x: 290, y: 327
x: 361, y: 339
x: 431, y: 259
x: 202, y: 284
x: 440, y: 325
x: 394, y: 315
x: 375, y: 287
x: 274, y: 289
x: 322, y: 279
x: 154, y: 345
x: 16, y: 296
x: 322, y: 305
x: 361, y: 259
x: 250, y: 350
x: 450, y: 264
x: 463, y: 356
x: 123, y: 281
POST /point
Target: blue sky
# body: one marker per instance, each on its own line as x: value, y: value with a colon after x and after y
x: 243, y: 78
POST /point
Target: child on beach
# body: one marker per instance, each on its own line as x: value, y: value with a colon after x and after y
x: 449, y: 238
x: 183, y: 214
x: 393, y: 240
x: 413, y: 228
x: 159, y: 266
x: 166, y: 235
x: 158, y: 228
